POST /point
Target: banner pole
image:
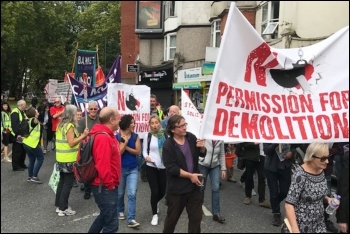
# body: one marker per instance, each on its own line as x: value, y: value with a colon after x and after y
x: 75, y: 56
x: 85, y: 97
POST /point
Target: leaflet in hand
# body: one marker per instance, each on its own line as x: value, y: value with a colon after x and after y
x: 281, y: 150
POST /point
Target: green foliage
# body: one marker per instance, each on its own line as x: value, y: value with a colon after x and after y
x: 39, y: 38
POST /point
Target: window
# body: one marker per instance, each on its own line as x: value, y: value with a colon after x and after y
x: 169, y: 9
x: 215, y: 33
x: 169, y: 47
x: 270, y: 17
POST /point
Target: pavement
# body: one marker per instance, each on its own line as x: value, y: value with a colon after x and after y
x: 29, y: 208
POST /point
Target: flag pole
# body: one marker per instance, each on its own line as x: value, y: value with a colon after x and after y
x: 85, y: 96
x: 98, y: 61
x: 68, y: 89
x: 75, y: 56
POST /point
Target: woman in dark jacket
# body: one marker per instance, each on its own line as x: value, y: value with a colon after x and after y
x: 181, y: 152
x: 343, y: 190
x: 46, y: 121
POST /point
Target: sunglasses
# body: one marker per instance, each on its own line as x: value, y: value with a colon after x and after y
x: 182, y: 125
x: 93, y: 109
x: 322, y: 159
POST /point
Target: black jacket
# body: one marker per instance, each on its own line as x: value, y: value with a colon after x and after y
x: 174, y: 160
x: 343, y: 190
x: 272, y: 162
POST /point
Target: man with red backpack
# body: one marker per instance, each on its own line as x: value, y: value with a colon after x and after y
x: 106, y: 155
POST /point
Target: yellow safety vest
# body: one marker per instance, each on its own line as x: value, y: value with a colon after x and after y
x: 64, y: 153
x: 20, y: 118
x: 6, y: 122
x: 34, y: 136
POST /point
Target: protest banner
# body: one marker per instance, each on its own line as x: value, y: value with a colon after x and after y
x: 133, y: 100
x: 190, y: 113
x: 57, y: 89
x: 263, y: 94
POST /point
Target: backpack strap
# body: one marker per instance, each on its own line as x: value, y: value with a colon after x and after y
x: 93, y: 139
x: 149, y: 137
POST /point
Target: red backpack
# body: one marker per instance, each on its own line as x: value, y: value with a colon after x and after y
x: 84, y: 168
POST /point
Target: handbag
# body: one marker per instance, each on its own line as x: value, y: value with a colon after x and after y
x: 54, y: 178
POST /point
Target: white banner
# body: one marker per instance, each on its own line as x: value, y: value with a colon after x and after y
x: 190, y: 113
x: 133, y: 100
x: 58, y: 89
x: 262, y: 94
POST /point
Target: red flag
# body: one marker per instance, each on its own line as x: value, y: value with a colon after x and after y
x: 100, y: 76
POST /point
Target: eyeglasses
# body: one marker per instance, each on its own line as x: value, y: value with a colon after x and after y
x: 322, y: 159
x: 93, y: 109
x: 182, y: 125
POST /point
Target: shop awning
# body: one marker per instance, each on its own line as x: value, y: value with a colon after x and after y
x: 187, y: 85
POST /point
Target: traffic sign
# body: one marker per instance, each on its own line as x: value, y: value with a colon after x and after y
x: 132, y: 67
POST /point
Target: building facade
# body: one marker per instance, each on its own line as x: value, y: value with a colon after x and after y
x: 183, y: 38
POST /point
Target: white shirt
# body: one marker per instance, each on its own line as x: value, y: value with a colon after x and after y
x: 153, y: 152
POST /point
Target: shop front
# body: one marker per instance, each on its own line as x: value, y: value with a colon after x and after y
x: 195, y: 84
x: 159, y: 79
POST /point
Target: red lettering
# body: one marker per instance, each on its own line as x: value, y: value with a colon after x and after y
x: 233, y: 124
x: 265, y: 122
x: 345, y: 98
x: 277, y: 109
x: 222, y: 90
x: 290, y: 127
x: 335, y: 101
x: 239, y: 98
x: 323, y: 101
x: 312, y: 126
x: 300, y: 120
x: 121, y: 100
x: 220, y: 123
x: 279, y: 129
x: 324, y: 126
x: 340, y: 125
x: 249, y: 127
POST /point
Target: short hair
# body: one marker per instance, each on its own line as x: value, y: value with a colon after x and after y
x: 79, y: 109
x: 153, y: 96
x: 173, y: 120
x: 125, y: 121
x: 21, y: 103
x: 92, y: 103
x: 313, y: 149
x: 106, y: 114
x: 30, y: 112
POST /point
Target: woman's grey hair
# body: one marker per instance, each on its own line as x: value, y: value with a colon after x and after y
x: 69, y: 116
x: 314, y: 149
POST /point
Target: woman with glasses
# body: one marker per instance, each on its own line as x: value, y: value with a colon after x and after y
x: 91, y: 119
x: 181, y: 152
x: 308, y: 191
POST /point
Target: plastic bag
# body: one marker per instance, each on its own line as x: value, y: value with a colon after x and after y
x: 55, y: 178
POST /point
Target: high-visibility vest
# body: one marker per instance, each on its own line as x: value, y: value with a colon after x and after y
x: 64, y: 153
x: 20, y: 118
x: 5, y: 120
x: 160, y: 114
x: 34, y: 135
